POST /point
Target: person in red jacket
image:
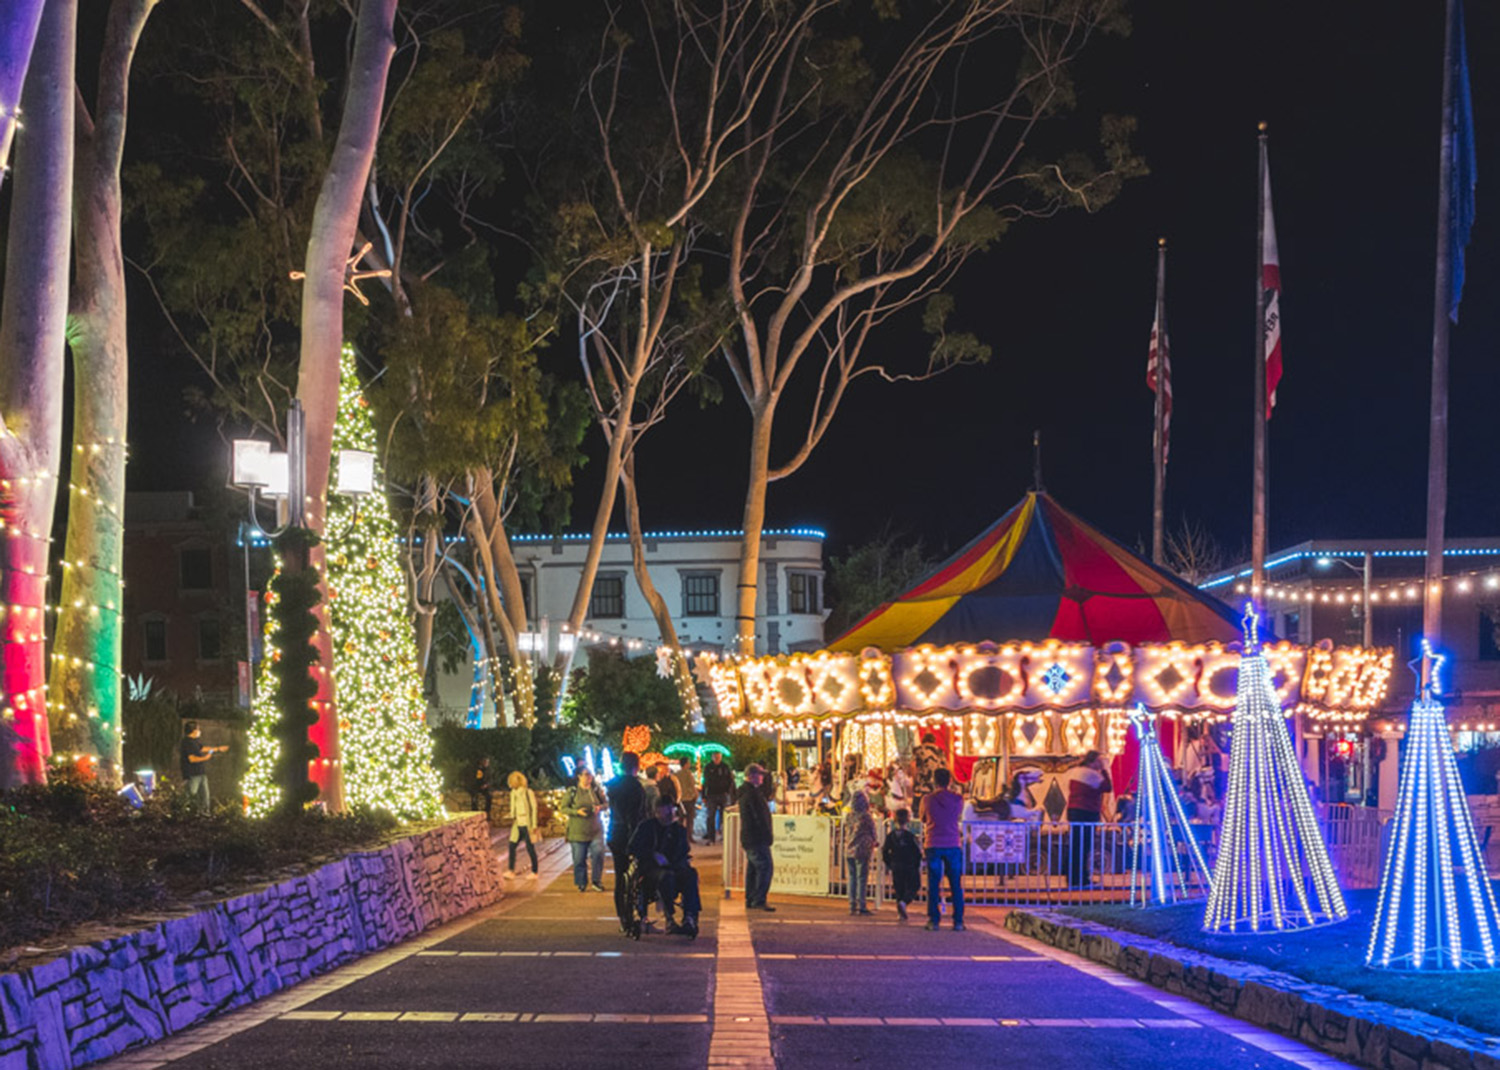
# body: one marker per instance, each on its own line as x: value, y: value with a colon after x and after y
x: 1087, y: 785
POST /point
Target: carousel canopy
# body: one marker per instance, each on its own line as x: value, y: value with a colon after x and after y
x: 1042, y: 573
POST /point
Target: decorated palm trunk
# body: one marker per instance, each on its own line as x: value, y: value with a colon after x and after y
x: 1437, y: 906
x: 385, y: 744
x: 1166, y: 863
x: 1273, y: 872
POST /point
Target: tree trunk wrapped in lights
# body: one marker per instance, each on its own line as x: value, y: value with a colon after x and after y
x: 1437, y: 907
x: 1273, y: 872
x: 386, y: 746
x: 1166, y: 863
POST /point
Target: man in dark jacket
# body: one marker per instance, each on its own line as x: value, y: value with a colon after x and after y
x: 718, y: 789
x: 756, y: 837
x: 627, y: 809
x: 660, y: 848
x: 479, y: 787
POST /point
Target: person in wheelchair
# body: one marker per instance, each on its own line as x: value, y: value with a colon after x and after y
x: 664, y: 860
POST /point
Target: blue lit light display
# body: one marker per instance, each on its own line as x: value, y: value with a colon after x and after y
x: 1166, y: 863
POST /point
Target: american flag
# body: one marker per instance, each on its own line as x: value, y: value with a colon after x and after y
x: 1270, y: 282
x: 1161, y: 357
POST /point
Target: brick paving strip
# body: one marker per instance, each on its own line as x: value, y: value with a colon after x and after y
x: 741, y: 1036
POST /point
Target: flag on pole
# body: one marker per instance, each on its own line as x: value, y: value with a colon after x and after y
x: 1159, y: 378
x: 1464, y: 174
x: 1270, y: 281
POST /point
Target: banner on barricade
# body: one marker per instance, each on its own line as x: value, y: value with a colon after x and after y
x: 997, y: 843
x: 801, y: 854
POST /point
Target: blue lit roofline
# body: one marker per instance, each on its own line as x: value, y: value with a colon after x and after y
x: 617, y: 536
x: 1451, y: 551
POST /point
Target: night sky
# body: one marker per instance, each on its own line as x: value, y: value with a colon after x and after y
x: 1351, y: 92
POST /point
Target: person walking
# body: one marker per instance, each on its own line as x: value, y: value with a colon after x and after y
x: 756, y: 837
x: 941, y: 809
x: 479, y: 787
x: 718, y: 789
x: 627, y: 809
x: 860, y: 838
x: 195, y: 756
x: 585, y: 833
x: 687, y: 796
x: 524, y: 816
x: 902, y: 855
x: 1086, y: 787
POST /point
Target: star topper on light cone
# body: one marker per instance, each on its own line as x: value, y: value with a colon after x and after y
x: 353, y: 276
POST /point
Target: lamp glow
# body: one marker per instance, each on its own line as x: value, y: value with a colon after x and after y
x: 278, y: 473
x: 356, y: 473
x: 250, y: 463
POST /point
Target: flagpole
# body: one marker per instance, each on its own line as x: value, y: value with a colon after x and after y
x: 1258, y: 481
x: 1158, y: 440
x: 1437, y: 428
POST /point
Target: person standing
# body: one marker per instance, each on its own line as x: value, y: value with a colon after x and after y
x: 859, y: 844
x: 479, y: 787
x: 195, y: 756
x: 1086, y: 787
x: 941, y: 809
x: 756, y: 837
x: 524, y: 816
x: 627, y: 809
x: 927, y: 759
x: 902, y: 855
x: 687, y: 795
x: 586, y: 831
x: 718, y: 789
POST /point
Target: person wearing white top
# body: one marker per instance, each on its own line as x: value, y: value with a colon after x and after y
x: 523, y: 818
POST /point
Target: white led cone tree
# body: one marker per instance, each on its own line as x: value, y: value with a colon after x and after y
x: 1437, y: 906
x: 384, y: 740
x: 1273, y: 872
x: 1166, y: 864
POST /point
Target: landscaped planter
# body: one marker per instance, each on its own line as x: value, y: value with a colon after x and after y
x: 1348, y: 1026
x: 96, y: 1001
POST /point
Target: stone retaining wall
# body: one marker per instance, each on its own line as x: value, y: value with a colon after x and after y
x: 1350, y: 1027
x: 98, y: 1000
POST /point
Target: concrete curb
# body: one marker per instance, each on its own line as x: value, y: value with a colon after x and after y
x: 1339, y: 1023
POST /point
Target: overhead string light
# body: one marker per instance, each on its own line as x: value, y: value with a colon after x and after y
x: 1273, y: 872
x: 1437, y: 908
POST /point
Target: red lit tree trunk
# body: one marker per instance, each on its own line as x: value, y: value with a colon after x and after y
x: 31, y: 386
x: 335, y: 221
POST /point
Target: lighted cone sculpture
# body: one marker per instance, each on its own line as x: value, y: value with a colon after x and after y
x: 1166, y: 864
x: 1437, y: 907
x: 1273, y: 872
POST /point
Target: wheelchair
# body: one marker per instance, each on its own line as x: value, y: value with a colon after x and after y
x: 638, y: 899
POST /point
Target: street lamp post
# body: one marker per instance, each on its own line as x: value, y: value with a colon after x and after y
x: 1369, y: 559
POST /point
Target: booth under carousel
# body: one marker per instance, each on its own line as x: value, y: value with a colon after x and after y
x: 1027, y: 647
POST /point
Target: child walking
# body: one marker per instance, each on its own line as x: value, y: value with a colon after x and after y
x: 859, y: 845
x: 523, y: 818
x: 902, y: 855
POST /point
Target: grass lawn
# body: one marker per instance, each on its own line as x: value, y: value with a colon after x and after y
x: 1332, y: 955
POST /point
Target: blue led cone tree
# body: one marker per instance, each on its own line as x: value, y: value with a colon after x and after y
x: 1273, y: 872
x: 1437, y: 906
x: 1166, y: 864
x: 384, y: 739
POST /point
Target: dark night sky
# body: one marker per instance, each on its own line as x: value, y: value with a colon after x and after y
x: 1351, y: 92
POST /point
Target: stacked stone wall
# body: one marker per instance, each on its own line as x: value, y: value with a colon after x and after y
x: 99, y: 1000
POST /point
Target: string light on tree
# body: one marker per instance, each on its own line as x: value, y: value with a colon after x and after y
x: 1165, y: 852
x: 1273, y: 872
x: 1437, y: 907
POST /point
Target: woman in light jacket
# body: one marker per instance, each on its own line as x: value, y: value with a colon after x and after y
x: 524, y: 817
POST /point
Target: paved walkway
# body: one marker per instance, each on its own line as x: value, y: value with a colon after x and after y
x: 543, y: 980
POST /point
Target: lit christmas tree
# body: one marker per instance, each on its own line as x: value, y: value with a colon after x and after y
x: 1164, y: 852
x: 1273, y: 872
x: 1437, y: 907
x: 384, y: 739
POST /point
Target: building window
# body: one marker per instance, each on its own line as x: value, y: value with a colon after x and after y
x: 608, y: 598
x: 700, y: 594
x: 802, y: 594
x: 155, y: 634
x: 195, y: 569
x: 209, y: 646
x: 1489, y: 640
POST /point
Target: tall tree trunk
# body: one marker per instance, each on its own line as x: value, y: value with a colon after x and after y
x: 35, y: 309
x: 84, y: 692
x: 681, y: 672
x: 19, y: 20
x: 507, y: 599
x: 426, y: 578
x: 748, y: 585
x: 329, y: 244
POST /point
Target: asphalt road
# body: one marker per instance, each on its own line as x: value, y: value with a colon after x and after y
x: 545, y: 981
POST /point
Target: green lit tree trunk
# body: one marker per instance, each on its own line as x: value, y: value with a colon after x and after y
x: 84, y: 690
x: 32, y: 330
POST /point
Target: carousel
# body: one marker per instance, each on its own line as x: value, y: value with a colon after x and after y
x: 1027, y: 648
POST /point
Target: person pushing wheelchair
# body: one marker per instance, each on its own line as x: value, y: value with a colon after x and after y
x: 660, y: 849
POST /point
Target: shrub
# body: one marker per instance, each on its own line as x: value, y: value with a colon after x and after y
x: 456, y: 751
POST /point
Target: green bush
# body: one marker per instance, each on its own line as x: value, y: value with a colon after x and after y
x: 456, y: 751
x: 152, y: 728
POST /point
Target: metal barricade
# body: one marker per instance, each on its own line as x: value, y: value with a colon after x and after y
x: 1353, y: 837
